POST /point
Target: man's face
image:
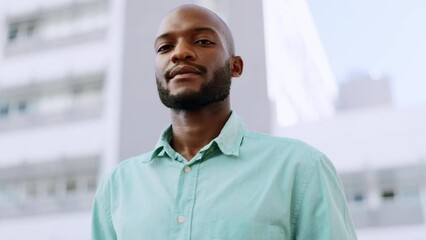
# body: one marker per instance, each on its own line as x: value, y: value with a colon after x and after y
x: 192, y: 62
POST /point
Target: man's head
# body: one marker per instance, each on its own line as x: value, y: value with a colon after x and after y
x: 195, y: 58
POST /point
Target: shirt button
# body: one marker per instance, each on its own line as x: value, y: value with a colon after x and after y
x: 181, y: 219
x: 187, y: 169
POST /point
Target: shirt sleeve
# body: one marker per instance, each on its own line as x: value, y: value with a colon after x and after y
x: 323, y: 211
x: 102, y: 226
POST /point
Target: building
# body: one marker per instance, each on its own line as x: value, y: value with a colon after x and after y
x: 53, y: 75
x: 301, y: 85
x: 380, y: 155
x: 379, y: 152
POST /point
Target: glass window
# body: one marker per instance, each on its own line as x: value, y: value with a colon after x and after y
x: 13, y: 32
x: 4, y: 110
x: 31, y: 28
x: 358, y: 197
x: 388, y: 194
x: 71, y: 185
x: 22, y: 106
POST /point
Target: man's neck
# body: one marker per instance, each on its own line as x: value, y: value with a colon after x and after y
x: 192, y: 130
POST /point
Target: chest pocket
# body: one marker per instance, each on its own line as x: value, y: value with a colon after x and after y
x: 245, y: 230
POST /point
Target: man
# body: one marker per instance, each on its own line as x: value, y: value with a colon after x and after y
x: 208, y: 177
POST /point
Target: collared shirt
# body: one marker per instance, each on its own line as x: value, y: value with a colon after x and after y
x: 241, y: 186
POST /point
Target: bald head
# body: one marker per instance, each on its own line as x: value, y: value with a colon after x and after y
x: 189, y: 12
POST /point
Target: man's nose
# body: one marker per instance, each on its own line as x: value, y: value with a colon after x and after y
x: 182, y: 52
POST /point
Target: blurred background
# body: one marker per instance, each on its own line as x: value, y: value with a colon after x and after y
x: 78, y: 95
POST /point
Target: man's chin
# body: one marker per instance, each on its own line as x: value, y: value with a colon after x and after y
x: 186, y: 100
x: 183, y: 92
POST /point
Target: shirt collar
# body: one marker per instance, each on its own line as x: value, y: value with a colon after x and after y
x: 228, y: 141
x: 231, y: 136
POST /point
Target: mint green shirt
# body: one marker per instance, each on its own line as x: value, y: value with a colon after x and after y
x: 241, y: 186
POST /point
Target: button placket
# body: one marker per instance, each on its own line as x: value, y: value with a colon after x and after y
x: 184, y: 205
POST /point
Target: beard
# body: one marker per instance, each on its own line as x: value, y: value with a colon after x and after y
x: 214, y: 90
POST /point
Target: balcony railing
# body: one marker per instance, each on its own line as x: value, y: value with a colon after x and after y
x: 62, y: 185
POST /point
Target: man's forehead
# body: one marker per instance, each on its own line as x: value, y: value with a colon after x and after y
x: 187, y: 19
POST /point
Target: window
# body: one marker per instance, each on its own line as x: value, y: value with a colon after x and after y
x: 358, y: 197
x: 22, y: 106
x: 13, y: 32
x: 22, y: 30
x: 48, y: 186
x: 66, y: 22
x: 73, y: 99
x: 71, y: 185
x: 31, y: 28
x: 388, y: 194
x: 389, y: 197
x: 13, y: 108
x: 4, y: 110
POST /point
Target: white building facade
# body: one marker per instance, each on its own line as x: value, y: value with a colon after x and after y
x: 53, y: 70
x: 301, y: 85
x: 380, y: 155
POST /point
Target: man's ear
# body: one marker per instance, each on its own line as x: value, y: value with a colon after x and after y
x: 237, y: 65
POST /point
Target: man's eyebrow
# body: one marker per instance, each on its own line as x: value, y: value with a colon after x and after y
x: 196, y: 29
x: 205, y: 29
x: 164, y: 35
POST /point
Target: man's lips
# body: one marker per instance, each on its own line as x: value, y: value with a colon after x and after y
x: 184, y: 69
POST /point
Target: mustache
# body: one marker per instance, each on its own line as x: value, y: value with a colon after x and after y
x: 200, y: 68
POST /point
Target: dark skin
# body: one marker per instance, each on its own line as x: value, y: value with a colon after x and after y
x: 194, y: 35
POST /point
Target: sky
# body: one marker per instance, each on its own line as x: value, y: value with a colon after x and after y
x: 386, y: 37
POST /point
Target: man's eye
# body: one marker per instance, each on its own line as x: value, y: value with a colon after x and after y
x: 164, y: 48
x: 204, y: 42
